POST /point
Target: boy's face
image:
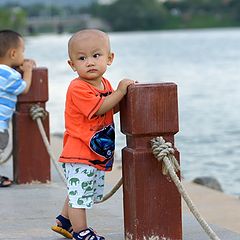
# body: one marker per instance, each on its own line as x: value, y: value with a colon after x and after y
x: 17, y: 54
x: 89, y: 56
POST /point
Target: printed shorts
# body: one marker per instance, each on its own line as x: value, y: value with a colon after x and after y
x: 85, y: 184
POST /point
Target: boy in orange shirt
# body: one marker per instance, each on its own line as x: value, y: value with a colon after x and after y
x: 89, y: 139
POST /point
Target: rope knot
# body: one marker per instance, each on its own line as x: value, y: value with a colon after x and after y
x: 162, y: 149
x: 37, y: 112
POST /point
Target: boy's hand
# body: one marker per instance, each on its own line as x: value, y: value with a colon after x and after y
x: 26, y: 68
x: 113, y: 99
x: 123, y: 85
x: 28, y: 65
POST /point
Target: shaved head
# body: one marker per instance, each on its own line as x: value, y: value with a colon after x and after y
x: 86, y: 35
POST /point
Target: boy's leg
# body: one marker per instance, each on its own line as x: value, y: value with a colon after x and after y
x: 83, y: 183
x: 64, y: 226
x: 78, y: 218
x: 80, y: 194
x: 64, y: 211
x: 4, y: 138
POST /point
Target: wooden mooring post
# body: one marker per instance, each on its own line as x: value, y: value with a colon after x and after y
x: 31, y: 161
x: 152, y: 204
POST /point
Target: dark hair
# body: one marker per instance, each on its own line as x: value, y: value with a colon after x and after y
x: 8, y: 39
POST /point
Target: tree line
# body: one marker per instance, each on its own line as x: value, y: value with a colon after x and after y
x: 124, y: 15
x: 132, y: 15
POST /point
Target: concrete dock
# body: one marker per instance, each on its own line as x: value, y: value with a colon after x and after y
x: 28, y: 211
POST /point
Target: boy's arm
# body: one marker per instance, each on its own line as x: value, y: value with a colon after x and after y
x: 27, y: 73
x: 110, y: 102
x: 113, y: 99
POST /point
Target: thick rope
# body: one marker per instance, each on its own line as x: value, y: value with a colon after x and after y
x: 164, y: 152
x: 37, y: 113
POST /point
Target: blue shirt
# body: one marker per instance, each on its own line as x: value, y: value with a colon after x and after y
x: 11, y: 85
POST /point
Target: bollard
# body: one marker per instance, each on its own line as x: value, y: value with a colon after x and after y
x: 31, y: 161
x: 152, y: 204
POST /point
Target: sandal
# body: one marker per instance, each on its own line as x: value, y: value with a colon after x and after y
x: 5, y: 181
x: 87, y: 234
x: 65, y: 229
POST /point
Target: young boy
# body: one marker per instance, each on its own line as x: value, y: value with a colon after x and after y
x: 89, y: 137
x: 11, y: 83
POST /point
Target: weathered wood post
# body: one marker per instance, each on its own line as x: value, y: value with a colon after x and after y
x: 152, y: 204
x: 31, y: 162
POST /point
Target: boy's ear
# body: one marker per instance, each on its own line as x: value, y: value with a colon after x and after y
x: 70, y: 63
x: 12, y: 53
x: 110, y: 58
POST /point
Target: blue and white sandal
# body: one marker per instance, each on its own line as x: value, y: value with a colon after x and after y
x: 65, y: 229
x: 87, y: 234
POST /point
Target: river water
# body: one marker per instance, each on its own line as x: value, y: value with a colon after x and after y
x: 205, y: 64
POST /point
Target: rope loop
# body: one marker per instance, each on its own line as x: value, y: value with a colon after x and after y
x: 162, y: 149
x: 37, y: 112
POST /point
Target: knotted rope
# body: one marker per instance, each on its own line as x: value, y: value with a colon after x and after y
x: 37, y: 113
x: 164, y: 152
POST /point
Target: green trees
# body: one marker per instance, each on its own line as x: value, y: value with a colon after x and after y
x: 14, y: 18
x: 125, y: 15
x: 206, y: 13
x: 132, y: 14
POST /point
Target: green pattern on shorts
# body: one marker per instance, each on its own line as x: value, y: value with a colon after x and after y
x: 85, y: 185
x: 74, y: 181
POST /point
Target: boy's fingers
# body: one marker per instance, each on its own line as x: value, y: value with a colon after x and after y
x: 31, y: 61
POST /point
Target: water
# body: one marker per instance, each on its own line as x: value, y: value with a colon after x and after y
x: 205, y: 64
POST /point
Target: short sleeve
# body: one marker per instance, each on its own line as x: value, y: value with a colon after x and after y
x: 17, y: 87
x: 87, y: 101
x: 13, y: 82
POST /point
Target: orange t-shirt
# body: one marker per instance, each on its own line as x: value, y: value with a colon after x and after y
x: 88, y: 139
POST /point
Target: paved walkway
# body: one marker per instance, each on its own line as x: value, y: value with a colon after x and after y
x: 28, y: 211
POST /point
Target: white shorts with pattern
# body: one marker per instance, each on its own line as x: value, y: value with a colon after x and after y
x: 85, y: 184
